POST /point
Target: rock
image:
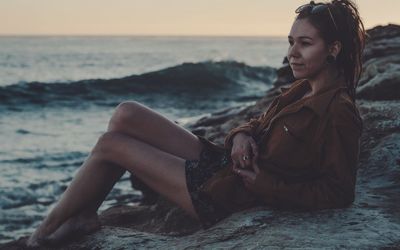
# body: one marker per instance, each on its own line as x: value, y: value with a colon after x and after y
x: 381, y: 63
x: 371, y: 222
x: 284, y: 75
x: 384, y: 85
x: 383, y: 32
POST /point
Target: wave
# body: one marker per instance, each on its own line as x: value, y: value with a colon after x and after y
x: 205, y: 77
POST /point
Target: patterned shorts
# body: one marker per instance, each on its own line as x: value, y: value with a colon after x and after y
x: 212, y: 159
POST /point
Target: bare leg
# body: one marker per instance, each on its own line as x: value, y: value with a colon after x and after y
x: 138, y: 121
x: 142, y: 123
x: 162, y: 171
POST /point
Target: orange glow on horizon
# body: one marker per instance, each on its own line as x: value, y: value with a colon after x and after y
x: 173, y: 17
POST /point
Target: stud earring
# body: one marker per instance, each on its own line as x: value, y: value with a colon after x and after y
x: 330, y: 59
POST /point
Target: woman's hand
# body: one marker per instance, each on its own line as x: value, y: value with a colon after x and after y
x: 244, y: 150
x: 248, y: 175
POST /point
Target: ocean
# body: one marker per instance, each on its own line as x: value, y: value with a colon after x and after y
x: 58, y: 93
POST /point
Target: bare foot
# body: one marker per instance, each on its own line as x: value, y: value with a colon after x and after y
x: 73, y: 227
x: 36, y: 239
x: 33, y: 241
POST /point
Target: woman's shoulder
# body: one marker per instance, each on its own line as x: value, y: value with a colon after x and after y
x: 344, y: 112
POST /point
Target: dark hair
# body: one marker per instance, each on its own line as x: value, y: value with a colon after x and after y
x: 350, y: 32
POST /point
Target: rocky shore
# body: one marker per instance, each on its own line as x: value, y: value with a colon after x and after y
x: 372, y: 222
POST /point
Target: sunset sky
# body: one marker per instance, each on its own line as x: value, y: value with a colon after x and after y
x: 167, y: 17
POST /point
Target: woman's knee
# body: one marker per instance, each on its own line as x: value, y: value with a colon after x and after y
x: 104, y: 153
x: 124, y: 112
x: 106, y: 143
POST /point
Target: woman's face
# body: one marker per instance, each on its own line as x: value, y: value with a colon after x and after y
x: 307, y: 50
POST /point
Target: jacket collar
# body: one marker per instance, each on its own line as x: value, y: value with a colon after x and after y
x: 292, y: 86
x: 318, y: 103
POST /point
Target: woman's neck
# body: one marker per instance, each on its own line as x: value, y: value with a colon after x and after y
x: 326, y: 79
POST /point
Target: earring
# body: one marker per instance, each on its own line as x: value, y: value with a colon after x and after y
x: 330, y: 59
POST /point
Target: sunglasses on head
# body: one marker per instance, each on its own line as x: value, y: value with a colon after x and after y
x: 316, y: 8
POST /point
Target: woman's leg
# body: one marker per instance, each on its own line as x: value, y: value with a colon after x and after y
x: 162, y: 171
x: 137, y: 120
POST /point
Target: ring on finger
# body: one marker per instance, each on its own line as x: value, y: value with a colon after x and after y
x: 245, y: 157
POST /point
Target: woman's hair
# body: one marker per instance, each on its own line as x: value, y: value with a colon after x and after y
x: 341, y: 22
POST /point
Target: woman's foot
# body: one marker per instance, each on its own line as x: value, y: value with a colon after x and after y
x: 36, y: 239
x: 73, y: 227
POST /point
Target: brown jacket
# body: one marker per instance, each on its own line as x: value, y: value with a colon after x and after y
x: 308, y: 153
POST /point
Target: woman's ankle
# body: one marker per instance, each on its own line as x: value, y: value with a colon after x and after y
x: 49, y: 225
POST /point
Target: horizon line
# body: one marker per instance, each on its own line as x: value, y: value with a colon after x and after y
x: 140, y: 35
x: 158, y: 35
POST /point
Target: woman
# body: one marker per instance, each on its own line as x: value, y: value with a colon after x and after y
x: 301, y: 153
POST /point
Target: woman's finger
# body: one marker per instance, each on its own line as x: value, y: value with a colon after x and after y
x: 253, y: 145
x: 235, y: 160
x: 246, y: 174
x: 255, y: 166
x: 240, y: 158
x: 235, y: 166
x: 254, y: 148
x: 248, y: 156
x: 242, y: 162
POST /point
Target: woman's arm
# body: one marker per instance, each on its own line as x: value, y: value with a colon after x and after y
x: 335, y: 184
x: 246, y: 128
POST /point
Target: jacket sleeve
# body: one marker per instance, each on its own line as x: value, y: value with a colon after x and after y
x: 334, y: 185
x: 250, y: 127
x: 247, y: 128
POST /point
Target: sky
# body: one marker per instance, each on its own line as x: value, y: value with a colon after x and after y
x: 168, y: 17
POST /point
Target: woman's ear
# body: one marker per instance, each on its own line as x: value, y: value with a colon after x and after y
x: 335, y: 48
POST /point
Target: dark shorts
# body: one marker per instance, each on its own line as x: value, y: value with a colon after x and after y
x: 212, y: 158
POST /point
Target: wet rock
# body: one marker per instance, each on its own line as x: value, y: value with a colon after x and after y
x: 284, y: 75
x: 381, y: 63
